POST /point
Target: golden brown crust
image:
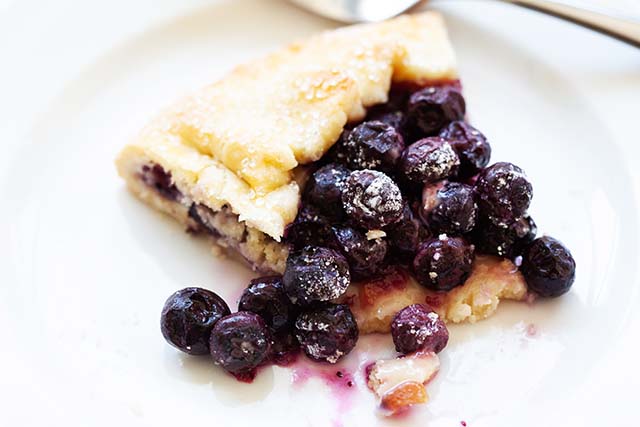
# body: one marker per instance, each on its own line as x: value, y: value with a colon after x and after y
x: 238, y: 141
x: 374, y: 303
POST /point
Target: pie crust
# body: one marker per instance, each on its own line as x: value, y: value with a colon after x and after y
x: 240, y: 145
x: 239, y: 148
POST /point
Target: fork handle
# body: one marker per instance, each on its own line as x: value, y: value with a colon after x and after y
x: 624, y: 30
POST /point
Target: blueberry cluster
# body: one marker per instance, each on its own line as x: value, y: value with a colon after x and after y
x: 408, y: 186
x: 412, y: 185
x: 268, y: 326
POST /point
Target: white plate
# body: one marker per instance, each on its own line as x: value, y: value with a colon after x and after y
x: 85, y: 268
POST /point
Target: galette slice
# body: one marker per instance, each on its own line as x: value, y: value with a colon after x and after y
x: 230, y: 160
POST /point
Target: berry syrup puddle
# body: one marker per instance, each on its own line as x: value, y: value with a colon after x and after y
x: 341, y: 383
x: 347, y: 377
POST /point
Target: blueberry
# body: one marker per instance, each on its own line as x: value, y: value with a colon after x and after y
x: 443, y: 263
x: 503, y: 193
x: 372, y: 199
x: 417, y: 327
x: 470, y: 145
x: 508, y: 241
x: 309, y: 228
x: 324, y: 188
x: 266, y: 296
x: 327, y: 332
x: 432, y: 108
x: 284, y: 347
x: 372, y: 145
x: 406, y: 234
x: 315, y: 274
x: 156, y: 177
x: 396, y: 119
x: 548, y: 267
x: 428, y: 160
x: 188, y: 317
x: 240, y: 342
x: 365, y: 256
x: 449, y: 207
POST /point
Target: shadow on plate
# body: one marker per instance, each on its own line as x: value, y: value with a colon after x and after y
x: 201, y: 370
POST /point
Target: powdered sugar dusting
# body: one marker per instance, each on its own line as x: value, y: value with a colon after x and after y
x: 373, y: 196
x: 319, y: 273
x: 429, y: 160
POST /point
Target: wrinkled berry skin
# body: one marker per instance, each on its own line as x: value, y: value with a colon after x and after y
x: 365, y: 256
x: 240, y: 342
x: 407, y: 233
x: 443, y: 263
x: 548, y: 267
x: 428, y: 160
x: 371, y: 199
x: 309, y: 228
x: 188, y: 317
x: 503, y: 193
x: 327, y: 332
x: 324, y: 189
x: 449, y: 207
x: 397, y: 119
x: 417, y: 327
x: 508, y: 241
x: 470, y: 145
x: 284, y: 347
x: 432, y: 108
x: 373, y: 145
x: 266, y: 297
x: 315, y: 274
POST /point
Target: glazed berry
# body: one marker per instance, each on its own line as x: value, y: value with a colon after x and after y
x: 327, y: 332
x: 309, y: 228
x: 470, y: 145
x: 432, y: 108
x: 449, y: 207
x: 372, y: 145
x: 284, y: 347
x: 508, y: 241
x: 266, y: 296
x: 188, y: 317
x: 240, y: 342
x: 324, y: 189
x: 548, y: 267
x: 443, y: 263
x: 406, y: 234
x: 365, y: 255
x: 156, y: 177
x: 417, y: 327
x: 503, y: 193
x: 428, y: 160
x: 315, y: 274
x: 372, y: 199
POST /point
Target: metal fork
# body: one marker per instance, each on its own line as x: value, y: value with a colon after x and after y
x: 349, y: 11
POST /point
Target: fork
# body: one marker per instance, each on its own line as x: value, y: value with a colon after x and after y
x: 349, y: 11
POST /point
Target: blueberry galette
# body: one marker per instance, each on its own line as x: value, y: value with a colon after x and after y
x: 344, y: 169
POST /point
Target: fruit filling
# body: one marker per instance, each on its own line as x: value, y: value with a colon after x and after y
x: 403, y: 226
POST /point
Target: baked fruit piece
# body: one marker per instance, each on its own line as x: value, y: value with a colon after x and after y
x: 345, y: 164
x: 400, y: 382
x: 229, y: 161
